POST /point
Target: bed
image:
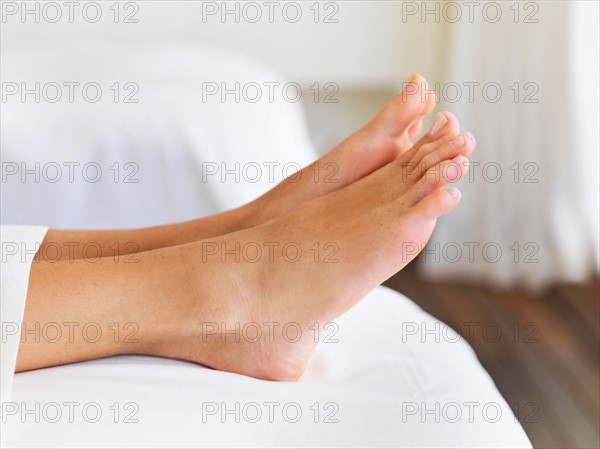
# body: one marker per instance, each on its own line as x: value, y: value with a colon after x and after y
x: 387, y: 375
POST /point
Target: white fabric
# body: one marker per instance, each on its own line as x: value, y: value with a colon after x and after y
x: 378, y: 381
x: 19, y: 245
x: 551, y: 211
x: 375, y: 368
x: 171, y: 135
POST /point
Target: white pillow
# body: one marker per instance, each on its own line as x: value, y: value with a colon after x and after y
x: 169, y: 138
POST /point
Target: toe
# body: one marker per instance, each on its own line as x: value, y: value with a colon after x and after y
x: 412, y: 104
x: 415, y: 129
x: 437, y: 203
x: 412, y: 159
x: 438, y: 176
x: 443, y: 124
x: 462, y: 144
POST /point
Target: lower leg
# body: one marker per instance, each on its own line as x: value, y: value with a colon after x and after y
x: 85, y: 310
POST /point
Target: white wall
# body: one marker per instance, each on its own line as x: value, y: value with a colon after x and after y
x: 363, y: 49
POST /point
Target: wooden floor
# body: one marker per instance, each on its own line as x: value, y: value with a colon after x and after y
x: 541, y: 350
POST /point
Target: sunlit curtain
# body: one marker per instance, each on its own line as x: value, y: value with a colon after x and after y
x: 529, y: 213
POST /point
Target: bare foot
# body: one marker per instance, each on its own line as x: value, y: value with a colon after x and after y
x: 305, y: 268
x: 371, y: 147
x: 198, y: 301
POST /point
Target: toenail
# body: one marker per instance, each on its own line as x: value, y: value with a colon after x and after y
x: 460, y: 159
x: 438, y: 123
x: 459, y: 141
x: 409, y: 78
x: 453, y: 192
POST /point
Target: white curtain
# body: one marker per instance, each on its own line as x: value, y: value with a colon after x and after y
x: 536, y: 221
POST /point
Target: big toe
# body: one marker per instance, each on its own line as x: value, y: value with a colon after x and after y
x: 404, y: 113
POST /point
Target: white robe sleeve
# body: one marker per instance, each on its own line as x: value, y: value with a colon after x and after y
x: 19, y: 246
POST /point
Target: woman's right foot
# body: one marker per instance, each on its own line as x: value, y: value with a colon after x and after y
x: 256, y: 290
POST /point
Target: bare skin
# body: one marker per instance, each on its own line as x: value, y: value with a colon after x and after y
x: 183, y: 301
x: 370, y: 223
x: 376, y: 144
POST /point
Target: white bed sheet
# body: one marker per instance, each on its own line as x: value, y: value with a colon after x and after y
x: 377, y: 383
